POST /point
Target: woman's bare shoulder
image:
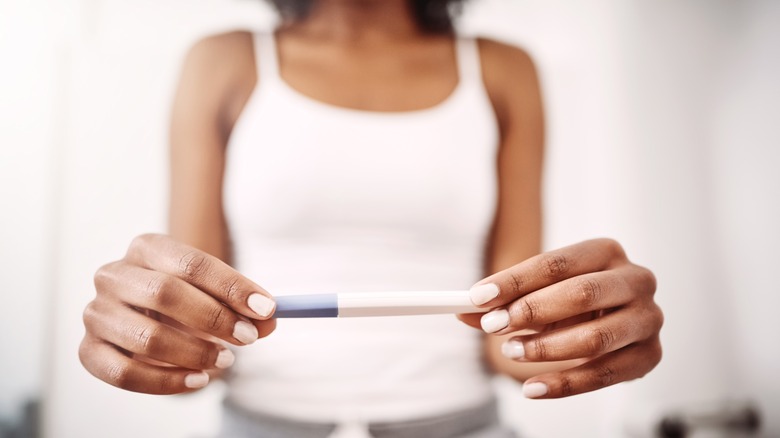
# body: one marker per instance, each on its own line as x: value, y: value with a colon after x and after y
x: 500, y: 59
x: 223, y: 54
x: 509, y: 73
x: 222, y: 44
x: 218, y: 75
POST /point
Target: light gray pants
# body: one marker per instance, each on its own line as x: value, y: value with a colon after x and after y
x: 479, y: 422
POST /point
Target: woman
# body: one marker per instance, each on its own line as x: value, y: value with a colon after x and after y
x: 363, y: 146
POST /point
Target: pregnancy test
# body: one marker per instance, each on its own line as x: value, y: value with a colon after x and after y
x: 347, y: 304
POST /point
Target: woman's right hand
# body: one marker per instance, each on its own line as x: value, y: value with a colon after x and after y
x: 159, y: 314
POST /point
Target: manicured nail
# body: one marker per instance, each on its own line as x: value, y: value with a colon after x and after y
x: 533, y: 390
x: 225, y: 358
x: 245, y: 332
x: 261, y: 305
x: 482, y: 293
x: 196, y: 380
x: 513, y: 349
x: 494, y: 321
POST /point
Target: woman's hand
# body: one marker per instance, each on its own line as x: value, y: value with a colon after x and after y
x: 160, y: 314
x: 587, y: 302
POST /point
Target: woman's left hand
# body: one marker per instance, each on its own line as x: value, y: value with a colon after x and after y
x: 586, y: 301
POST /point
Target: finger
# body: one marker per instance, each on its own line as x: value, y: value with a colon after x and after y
x: 590, y: 339
x: 175, y: 298
x: 146, y: 336
x: 105, y: 362
x: 206, y: 272
x: 545, y: 269
x: 631, y: 362
x: 472, y: 319
x: 265, y: 328
x: 568, y: 298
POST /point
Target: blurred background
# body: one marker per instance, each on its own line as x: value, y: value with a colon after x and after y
x: 663, y: 133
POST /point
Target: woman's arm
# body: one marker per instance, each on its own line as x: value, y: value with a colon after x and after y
x: 513, y: 86
x: 571, y: 320
x: 216, y: 81
x: 162, y: 314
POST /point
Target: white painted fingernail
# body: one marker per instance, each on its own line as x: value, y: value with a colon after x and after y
x: 535, y: 389
x: 225, y: 358
x: 494, y: 321
x: 245, y: 332
x: 196, y: 380
x: 482, y: 293
x: 513, y: 349
x: 261, y: 304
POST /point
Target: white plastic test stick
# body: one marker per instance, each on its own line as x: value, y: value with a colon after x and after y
x: 349, y: 304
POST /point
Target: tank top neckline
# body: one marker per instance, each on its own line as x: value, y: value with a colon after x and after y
x: 267, y: 65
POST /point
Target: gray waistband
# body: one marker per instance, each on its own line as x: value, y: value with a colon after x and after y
x: 240, y: 423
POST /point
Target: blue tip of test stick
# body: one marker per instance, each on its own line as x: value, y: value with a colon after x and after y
x: 307, y: 306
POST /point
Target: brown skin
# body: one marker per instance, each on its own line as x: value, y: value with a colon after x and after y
x: 587, y: 304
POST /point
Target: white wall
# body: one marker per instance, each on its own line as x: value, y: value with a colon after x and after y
x: 29, y: 94
x: 661, y: 134
x: 746, y: 154
x: 124, y: 61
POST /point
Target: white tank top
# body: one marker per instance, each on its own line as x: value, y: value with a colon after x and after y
x: 321, y: 198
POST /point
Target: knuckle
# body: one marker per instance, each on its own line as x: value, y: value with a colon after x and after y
x: 165, y: 383
x: 232, y: 289
x: 118, y: 374
x: 529, y: 310
x: 613, y: 247
x: 647, y: 280
x: 85, y: 353
x: 517, y: 282
x: 216, y: 317
x: 606, y: 375
x: 540, y: 350
x: 192, y: 265
x: 90, y: 315
x: 555, y: 266
x: 657, y: 320
x: 567, y: 387
x: 145, y: 338
x: 656, y: 353
x: 601, y: 339
x: 157, y: 289
x: 104, y: 276
x: 141, y: 242
x: 588, y: 293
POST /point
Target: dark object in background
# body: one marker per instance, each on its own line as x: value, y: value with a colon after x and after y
x: 732, y: 419
x: 27, y: 425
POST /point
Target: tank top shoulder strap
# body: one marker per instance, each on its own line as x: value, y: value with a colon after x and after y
x: 266, y: 56
x: 469, y: 65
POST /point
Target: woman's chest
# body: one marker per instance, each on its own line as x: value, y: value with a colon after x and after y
x: 415, y: 176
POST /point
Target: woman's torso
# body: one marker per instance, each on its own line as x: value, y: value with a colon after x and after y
x: 322, y: 198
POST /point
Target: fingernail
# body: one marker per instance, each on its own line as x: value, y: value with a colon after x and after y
x: 225, y: 358
x: 245, y: 332
x: 494, y: 321
x: 261, y: 305
x: 513, y: 349
x: 482, y: 293
x: 196, y: 380
x: 533, y: 390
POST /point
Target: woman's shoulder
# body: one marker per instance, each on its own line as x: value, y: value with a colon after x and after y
x: 502, y: 61
x: 219, y: 72
x: 222, y: 51
x: 492, y: 47
x: 508, y: 72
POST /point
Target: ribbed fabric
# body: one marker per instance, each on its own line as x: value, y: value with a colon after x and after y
x: 321, y: 198
x: 477, y: 422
